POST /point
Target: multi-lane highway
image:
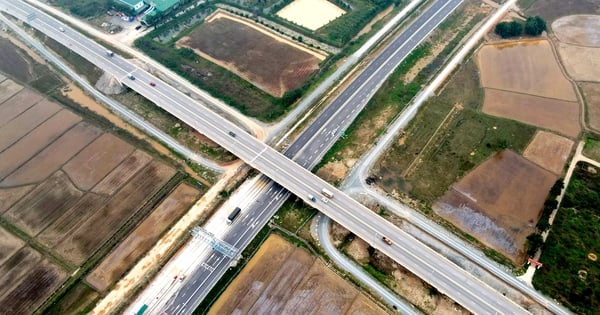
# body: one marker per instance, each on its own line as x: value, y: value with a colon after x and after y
x: 419, y: 259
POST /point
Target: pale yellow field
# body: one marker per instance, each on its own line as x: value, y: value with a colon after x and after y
x: 311, y: 14
x: 581, y: 63
x: 527, y: 67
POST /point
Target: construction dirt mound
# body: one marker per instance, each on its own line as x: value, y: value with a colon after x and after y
x: 110, y: 85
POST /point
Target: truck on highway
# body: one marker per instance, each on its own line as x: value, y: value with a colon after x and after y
x: 387, y: 240
x: 233, y: 215
x: 327, y: 193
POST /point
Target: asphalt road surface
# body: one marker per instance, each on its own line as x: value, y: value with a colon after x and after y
x: 449, y: 279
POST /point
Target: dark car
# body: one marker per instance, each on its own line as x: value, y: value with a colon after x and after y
x: 152, y: 84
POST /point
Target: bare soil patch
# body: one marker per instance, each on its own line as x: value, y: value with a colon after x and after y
x: 44, y: 204
x: 281, y: 279
x: 142, y: 238
x: 36, y: 140
x: 33, y: 289
x: 553, y: 9
x: 8, y: 196
x: 22, y: 124
x: 95, y: 161
x: 311, y: 14
x: 418, y: 293
x: 16, y: 267
x: 578, y: 30
x: 527, y: 67
x: 358, y: 250
x: 12, y: 62
x: 80, y: 244
x: 70, y: 219
x: 557, y: 115
x: 53, y: 156
x: 499, y: 202
x: 271, y: 63
x: 122, y: 173
x: 591, y: 93
x: 17, y: 104
x: 333, y: 171
x: 8, y: 88
x: 549, y: 151
x: 243, y: 291
x: 581, y: 63
x: 9, y: 244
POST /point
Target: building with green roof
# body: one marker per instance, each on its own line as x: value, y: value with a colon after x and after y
x: 136, y: 6
x: 160, y: 8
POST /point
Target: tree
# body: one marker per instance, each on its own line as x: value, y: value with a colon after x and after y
x: 509, y: 29
x: 534, y: 242
x: 534, y: 26
x: 557, y: 187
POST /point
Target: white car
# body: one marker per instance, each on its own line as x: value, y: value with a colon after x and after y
x: 325, y: 200
x: 62, y: 29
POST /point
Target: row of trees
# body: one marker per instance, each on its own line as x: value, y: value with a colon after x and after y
x: 535, y: 240
x: 533, y: 26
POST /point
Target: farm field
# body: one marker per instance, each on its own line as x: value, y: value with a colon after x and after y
x: 549, y: 151
x: 578, y: 30
x: 571, y: 272
x: 311, y: 14
x: 61, y: 177
x: 581, y: 63
x: 272, y: 63
x: 499, y: 202
x: 284, y: 279
x: 32, y: 288
x: 550, y: 10
x: 142, y: 238
x: 553, y: 114
x: 527, y: 67
x: 591, y: 93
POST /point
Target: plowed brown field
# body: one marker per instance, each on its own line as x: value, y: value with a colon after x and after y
x: 272, y: 63
x: 80, y: 244
x: 142, y: 238
x: 53, y: 156
x: 44, y: 204
x: 549, y: 151
x: 70, y: 219
x: 33, y: 289
x: 17, y: 104
x: 23, y: 123
x: 499, y: 202
x: 122, y: 173
x: 8, y: 88
x: 9, y: 244
x: 525, y: 67
x: 284, y: 279
x: 95, y: 161
x: 557, y: 115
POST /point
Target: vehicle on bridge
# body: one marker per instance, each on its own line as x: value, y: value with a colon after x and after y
x: 233, y: 215
x: 152, y: 84
x: 387, y: 240
x: 110, y: 53
x: 312, y: 198
x: 327, y: 193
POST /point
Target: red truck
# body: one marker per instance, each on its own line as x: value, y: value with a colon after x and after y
x: 387, y: 240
